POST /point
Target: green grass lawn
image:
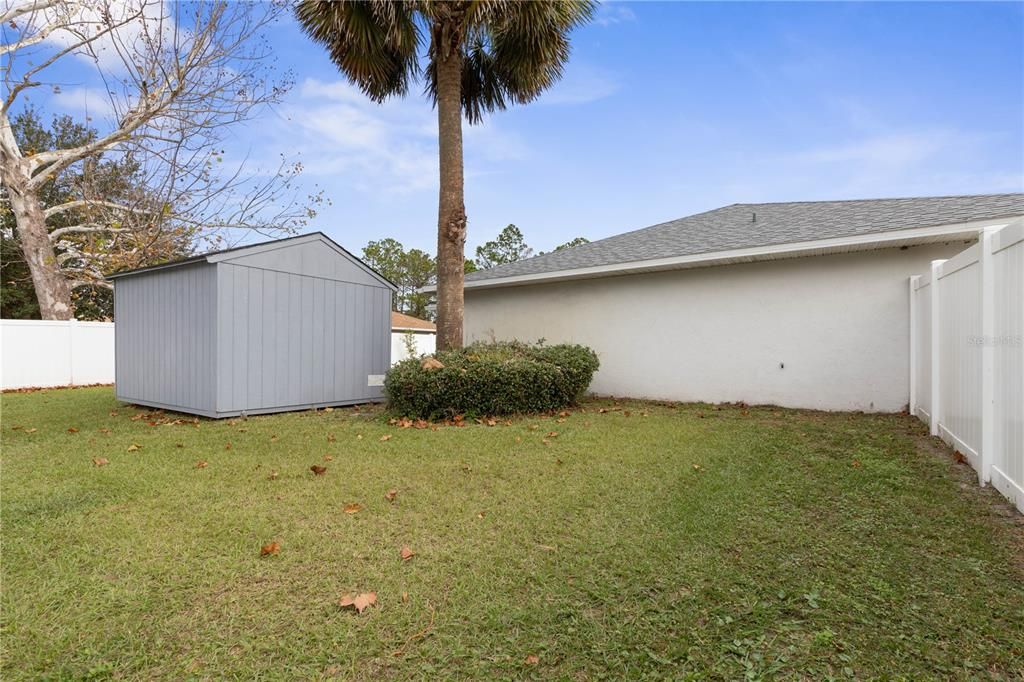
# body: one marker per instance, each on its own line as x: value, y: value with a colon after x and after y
x: 649, y: 541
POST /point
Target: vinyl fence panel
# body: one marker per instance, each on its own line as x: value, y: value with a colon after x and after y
x: 967, y: 355
x: 47, y: 353
x: 1008, y: 370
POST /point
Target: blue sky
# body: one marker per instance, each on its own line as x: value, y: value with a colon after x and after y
x: 671, y: 109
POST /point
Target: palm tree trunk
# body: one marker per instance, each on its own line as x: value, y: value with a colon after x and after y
x: 451, y: 214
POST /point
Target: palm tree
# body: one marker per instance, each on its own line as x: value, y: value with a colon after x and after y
x: 482, y: 56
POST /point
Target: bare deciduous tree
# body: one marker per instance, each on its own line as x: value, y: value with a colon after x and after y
x: 175, y: 76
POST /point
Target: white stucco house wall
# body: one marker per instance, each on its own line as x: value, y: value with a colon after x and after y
x: 794, y: 304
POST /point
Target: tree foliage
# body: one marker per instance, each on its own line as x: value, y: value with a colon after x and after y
x: 177, y: 77
x: 88, y: 255
x: 410, y: 269
x: 508, y: 247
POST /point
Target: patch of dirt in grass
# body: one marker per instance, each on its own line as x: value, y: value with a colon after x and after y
x: 1000, y: 510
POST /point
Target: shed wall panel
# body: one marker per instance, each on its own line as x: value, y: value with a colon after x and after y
x: 311, y: 259
x: 288, y: 341
x: 164, y: 351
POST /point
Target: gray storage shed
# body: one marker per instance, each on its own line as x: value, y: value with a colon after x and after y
x: 283, y: 325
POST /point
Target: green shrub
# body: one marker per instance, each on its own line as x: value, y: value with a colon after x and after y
x: 491, y: 379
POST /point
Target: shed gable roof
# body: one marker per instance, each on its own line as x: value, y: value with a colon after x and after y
x: 747, y: 226
x: 291, y: 254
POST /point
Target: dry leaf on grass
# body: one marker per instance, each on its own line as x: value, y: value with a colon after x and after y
x: 100, y: 461
x: 353, y: 508
x: 273, y: 475
x: 407, y: 553
x: 72, y: 430
x: 532, y: 659
x: 328, y: 458
x: 227, y: 446
x: 959, y: 458
x: 359, y: 602
x: 202, y: 464
x: 385, y: 437
x: 318, y: 470
x: 133, y: 447
x: 270, y: 548
x: 391, y: 495
x: 857, y: 464
x: 33, y: 430
x: 552, y: 434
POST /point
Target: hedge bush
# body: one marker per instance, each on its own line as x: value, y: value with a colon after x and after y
x: 491, y: 379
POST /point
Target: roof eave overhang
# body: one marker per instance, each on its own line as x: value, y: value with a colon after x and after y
x: 821, y: 247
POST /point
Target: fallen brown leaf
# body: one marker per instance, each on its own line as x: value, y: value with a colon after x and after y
x: 532, y: 659
x: 386, y: 437
x: 100, y: 461
x: 407, y: 553
x: 33, y: 430
x: 273, y: 475
x: 552, y: 434
x: 202, y: 464
x: 391, y: 495
x: 328, y: 458
x: 227, y: 446
x: 353, y: 507
x: 857, y: 464
x: 270, y: 548
x: 133, y: 447
x: 72, y: 430
x: 359, y: 602
x: 318, y: 470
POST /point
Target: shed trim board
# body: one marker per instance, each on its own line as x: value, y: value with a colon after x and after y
x: 237, y: 413
x: 262, y: 247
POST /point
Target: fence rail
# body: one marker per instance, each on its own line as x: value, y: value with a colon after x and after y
x: 967, y: 355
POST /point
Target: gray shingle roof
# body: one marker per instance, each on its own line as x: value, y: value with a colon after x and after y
x: 734, y: 227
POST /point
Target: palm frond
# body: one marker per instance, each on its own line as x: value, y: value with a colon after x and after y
x: 512, y: 51
x: 374, y: 43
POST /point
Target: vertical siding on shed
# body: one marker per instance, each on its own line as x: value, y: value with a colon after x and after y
x: 289, y: 340
x: 164, y: 349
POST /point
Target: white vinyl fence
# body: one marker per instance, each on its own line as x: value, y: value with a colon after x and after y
x: 967, y: 355
x: 40, y: 354
x: 422, y: 344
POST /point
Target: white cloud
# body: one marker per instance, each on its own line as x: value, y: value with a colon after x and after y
x: 92, y: 102
x: 892, y: 149
x: 134, y: 21
x: 610, y: 13
x: 343, y: 136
